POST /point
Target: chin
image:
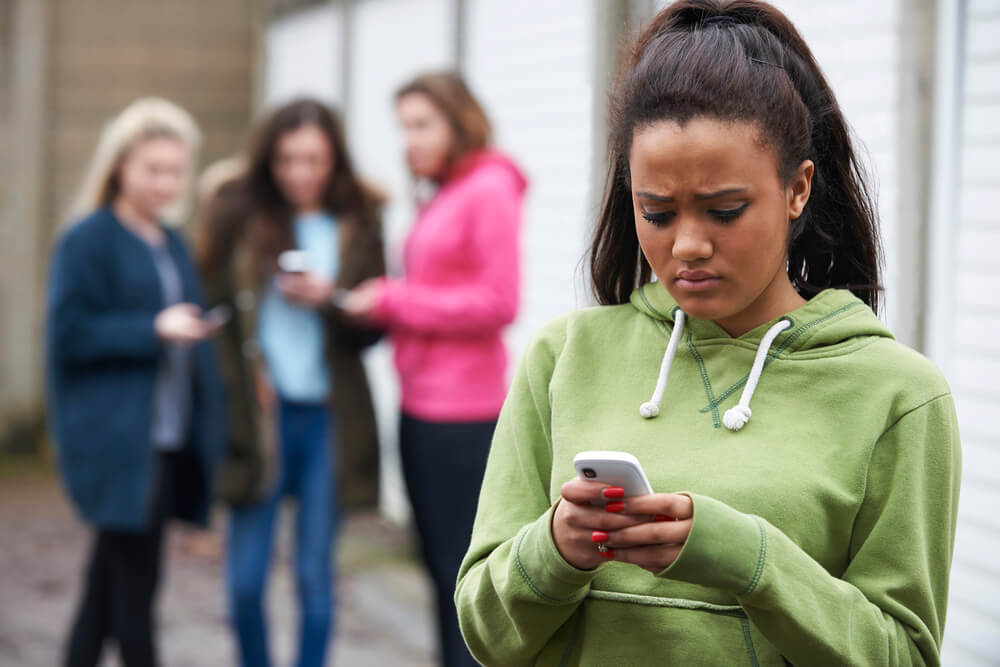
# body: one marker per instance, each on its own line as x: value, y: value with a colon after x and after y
x: 702, y: 306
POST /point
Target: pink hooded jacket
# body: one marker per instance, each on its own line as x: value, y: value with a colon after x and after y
x: 446, y: 316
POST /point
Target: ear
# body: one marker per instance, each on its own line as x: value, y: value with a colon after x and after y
x: 799, y: 188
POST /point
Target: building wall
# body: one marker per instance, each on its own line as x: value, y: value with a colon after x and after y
x: 6, y: 53
x: 194, y: 53
x: 968, y: 319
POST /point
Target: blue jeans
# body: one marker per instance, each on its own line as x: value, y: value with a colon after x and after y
x: 306, y: 472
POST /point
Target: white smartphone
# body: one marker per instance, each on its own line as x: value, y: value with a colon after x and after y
x: 218, y: 316
x: 293, y: 261
x: 614, y: 468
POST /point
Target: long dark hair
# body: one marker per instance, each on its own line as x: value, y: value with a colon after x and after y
x: 257, y: 199
x: 741, y: 60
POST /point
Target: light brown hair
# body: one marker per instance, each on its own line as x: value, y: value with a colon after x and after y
x: 449, y: 93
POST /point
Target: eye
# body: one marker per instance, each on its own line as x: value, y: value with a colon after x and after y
x: 728, y: 214
x: 658, y: 219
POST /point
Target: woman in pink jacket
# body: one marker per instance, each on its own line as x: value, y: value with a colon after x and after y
x: 445, y: 319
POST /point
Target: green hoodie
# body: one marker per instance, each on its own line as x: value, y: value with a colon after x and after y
x: 822, y: 530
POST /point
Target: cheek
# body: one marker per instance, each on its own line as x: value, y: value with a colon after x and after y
x: 757, y: 248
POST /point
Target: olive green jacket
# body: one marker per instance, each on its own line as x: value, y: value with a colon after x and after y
x: 249, y: 468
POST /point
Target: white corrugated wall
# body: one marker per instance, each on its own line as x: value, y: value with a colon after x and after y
x: 304, y: 56
x: 969, y: 345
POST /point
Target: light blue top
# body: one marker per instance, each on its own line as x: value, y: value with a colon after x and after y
x: 292, y: 337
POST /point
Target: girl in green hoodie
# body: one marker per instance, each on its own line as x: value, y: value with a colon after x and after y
x: 815, y: 528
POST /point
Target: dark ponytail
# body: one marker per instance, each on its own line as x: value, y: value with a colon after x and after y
x: 741, y: 60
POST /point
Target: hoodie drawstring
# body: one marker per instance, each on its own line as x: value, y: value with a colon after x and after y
x: 736, y: 417
x: 651, y: 408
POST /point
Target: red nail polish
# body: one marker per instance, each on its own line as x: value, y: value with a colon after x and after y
x: 607, y: 553
x: 662, y: 517
x: 614, y: 492
x: 599, y: 536
x: 615, y: 507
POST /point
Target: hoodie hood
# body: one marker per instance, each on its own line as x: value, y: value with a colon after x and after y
x: 488, y: 162
x: 831, y: 317
x: 828, y: 319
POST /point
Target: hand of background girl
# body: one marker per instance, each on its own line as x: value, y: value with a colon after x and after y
x: 182, y: 323
x: 362, y: 300
x: 307, y: 289
x: 579, y: 525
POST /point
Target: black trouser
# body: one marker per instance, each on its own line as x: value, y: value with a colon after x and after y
x: 121, y: 583
x: 443, y: 464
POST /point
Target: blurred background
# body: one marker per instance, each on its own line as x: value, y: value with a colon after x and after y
x: 918, y: 79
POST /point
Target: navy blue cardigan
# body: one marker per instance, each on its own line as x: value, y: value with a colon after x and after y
x: 102, y: 360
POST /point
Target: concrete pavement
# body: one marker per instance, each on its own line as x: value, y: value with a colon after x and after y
x: 383, y: 613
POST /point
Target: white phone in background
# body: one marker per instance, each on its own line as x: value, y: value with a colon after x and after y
x: 614, y: 468
x: 293, y: 261
x: 218, y: 316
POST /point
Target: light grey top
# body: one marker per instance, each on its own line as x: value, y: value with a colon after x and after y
x: 172, y: 394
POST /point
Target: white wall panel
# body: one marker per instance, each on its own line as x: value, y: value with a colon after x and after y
x: 304, y: 56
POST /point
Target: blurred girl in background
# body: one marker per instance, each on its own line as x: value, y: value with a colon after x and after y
x: 446, y: 318
x: 276, y: 245
x: 134, y: 396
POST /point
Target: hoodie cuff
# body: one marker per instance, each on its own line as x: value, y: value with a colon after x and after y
x: 544, y: 569
x: 726, y: 549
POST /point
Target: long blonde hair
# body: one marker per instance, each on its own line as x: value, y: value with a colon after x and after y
x: 145, y: 118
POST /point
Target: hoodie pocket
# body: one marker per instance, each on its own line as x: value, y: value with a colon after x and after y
x: 612, y: 632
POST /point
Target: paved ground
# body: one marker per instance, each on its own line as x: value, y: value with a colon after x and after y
x: 383, y: 597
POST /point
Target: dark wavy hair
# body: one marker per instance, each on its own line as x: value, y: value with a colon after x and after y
x: 257, y: 200
x: 743, y: 61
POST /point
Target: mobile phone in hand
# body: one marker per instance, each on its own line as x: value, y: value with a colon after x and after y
x: 614, y: 468
x: 219, y: 316
x: 293, y: 261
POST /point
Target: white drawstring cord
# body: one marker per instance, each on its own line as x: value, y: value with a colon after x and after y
x: 736, y: 417
x: 651, y: 408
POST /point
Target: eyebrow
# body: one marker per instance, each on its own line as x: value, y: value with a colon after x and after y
x: 707, y: 195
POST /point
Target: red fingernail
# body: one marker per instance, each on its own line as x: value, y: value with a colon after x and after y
x: 608, y: 553
x: 662, y: 517
x: 599, y: 536
x: 614, y: 492
x: 615, y: 507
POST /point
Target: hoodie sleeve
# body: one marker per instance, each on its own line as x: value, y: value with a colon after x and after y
x: 489, y: 299
x: 83, y: 328
x: 889, y: 606
x: 514, y: 588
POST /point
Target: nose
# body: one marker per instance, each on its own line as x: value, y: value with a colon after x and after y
x: 691, y: 240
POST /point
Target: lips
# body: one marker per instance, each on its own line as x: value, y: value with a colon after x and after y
x: 696, y: 280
